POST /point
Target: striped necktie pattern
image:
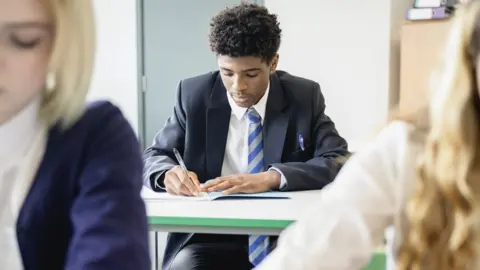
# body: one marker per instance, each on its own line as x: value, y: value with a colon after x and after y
x: 258, y: 245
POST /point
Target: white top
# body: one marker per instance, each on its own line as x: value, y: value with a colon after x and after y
x: 22, y: 142
x: 343, y: 229
x: 236, y: 151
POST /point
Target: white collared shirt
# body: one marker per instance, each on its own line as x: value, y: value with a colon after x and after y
x: 22, y: 141
x: 349, y: 220
x: 237, y: 139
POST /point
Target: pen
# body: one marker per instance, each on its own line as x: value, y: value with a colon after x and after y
x: 300, y: 141
x: 182, y: 164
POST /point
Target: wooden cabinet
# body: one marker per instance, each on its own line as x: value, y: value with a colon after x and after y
x: 422, y: 46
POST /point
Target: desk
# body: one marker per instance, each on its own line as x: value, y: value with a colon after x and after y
x: 270, y: 217
x: 267, y: 217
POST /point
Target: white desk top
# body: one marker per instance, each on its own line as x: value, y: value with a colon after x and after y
x: 269, y: 209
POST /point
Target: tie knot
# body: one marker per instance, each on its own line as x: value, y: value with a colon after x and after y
x: 253, y: 116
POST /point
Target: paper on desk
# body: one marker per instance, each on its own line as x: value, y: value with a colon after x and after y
x: 149, y: 194
x: 263, y: 195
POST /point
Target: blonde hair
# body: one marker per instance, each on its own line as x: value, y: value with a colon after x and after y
x: 441, y: 228
x: 71, y: 61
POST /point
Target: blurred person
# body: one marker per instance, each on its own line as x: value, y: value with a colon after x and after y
x: 70, y: 173
x: 421, y: 176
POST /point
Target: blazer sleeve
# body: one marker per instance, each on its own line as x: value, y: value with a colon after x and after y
x: 329, y: 147
x: 159, y: 157
x: 110, y: 229
x: 344, y: 227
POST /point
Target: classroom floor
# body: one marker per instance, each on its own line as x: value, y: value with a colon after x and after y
x: 378, y: 262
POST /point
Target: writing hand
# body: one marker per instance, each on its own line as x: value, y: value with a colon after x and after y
x: 177, y: 183
x: 244, y: 183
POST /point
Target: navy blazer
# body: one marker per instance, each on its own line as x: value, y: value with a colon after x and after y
x: 84, y: 210
x: 199, y: 125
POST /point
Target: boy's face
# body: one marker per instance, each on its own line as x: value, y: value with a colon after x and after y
x: 246, y: 78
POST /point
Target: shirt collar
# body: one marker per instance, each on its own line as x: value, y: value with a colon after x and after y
x: 260, y: 107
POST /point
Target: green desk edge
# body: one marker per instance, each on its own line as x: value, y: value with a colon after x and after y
x: 219, y: 222
x: 378, y: 261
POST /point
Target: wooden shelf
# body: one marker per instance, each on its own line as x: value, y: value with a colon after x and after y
x: 421, y: 49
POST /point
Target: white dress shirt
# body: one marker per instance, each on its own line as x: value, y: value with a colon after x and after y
x: 22, y: 142
x: 236, y: 150
x: 346, y: 225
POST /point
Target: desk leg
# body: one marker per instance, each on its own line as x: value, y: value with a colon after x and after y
x: 152, y: 237
x: 156, y: 251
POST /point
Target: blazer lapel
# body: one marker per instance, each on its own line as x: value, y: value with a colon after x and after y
x: 218, y: 119
x: 41, y: 183
x: 276, y: 122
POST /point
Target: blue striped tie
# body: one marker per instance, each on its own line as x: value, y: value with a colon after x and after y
x: 257, y: 244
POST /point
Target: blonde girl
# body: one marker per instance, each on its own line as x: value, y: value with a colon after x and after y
x: 70, y: 172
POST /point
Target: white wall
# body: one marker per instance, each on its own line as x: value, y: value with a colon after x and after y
x: 116, y: 74
x: 349, y: 46
x: 346, y: 46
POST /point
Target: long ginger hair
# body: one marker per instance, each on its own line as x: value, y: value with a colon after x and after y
x: 442, y: 217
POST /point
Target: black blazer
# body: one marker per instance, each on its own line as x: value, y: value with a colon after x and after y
x: 198, y: 128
